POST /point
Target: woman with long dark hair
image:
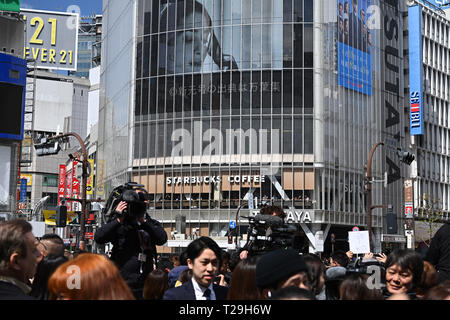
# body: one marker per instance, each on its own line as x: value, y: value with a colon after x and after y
x: 243, y: 282
x: 156, y: 284
x: 44, y: 270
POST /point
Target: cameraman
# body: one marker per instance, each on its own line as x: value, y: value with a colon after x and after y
x: 134, y: 236
x: 266, y: 210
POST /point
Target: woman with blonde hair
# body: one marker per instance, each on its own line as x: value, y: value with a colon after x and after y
x: 88, y: 277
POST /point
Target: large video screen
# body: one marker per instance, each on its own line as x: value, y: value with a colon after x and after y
x: 354, y: 46
x: 208, y: 36
x: 12, y: 109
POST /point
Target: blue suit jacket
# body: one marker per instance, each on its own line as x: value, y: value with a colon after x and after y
x: 186, y: 292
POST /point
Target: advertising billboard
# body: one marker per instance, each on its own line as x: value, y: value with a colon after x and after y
x: 5, y: 174
x: 354, y: 43
x: 61, y: 183
x: 415, y: 70
x: 194, y: 41
x: 50, y: 217
x: 90, y: 179
x: 13, y: 73
x: 443, y: 4
x: 75, y: 187
x: 10, y: 5
x: 51, y: 38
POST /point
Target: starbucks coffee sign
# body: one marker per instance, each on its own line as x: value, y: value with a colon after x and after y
x: 214, y: 179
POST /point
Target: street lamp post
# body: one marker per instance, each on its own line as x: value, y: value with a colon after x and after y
x: 49, y: 146
x: 83, y: 182
x: 368, y: 191
x: 405, y: 157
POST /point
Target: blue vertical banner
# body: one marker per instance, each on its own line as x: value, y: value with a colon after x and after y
x: 354, y: 46
x: 415, y: 70
x: 23, y: 190
x: 443, y: 4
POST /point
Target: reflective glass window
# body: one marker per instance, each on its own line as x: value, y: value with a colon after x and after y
x: 298, y: 45
x: 287, y: 91
x: 298, y: 91
x: 287, y: 135
x: 287, y: 10
x: 308, y: 45
x: 297, y: 128
x: 309, y: 97
x: 276, y: 92
x: 308, y: 10
x: 246, y: 88
x: 256, y: 89
x: 287, y: 45
x: 144, y: 97
x: 298, y: 11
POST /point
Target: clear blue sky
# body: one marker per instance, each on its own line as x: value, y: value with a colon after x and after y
x: 87, y: 7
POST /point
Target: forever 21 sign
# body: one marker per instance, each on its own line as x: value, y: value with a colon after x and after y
x: 51, y: 39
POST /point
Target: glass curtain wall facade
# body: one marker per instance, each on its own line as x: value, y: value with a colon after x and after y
x: 240, y: 103
x: 432, y: 176
x: 217, y: 118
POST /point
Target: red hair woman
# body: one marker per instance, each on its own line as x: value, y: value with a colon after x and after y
x: 88, y: 277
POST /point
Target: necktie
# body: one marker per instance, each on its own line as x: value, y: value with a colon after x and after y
x: 207, y: 294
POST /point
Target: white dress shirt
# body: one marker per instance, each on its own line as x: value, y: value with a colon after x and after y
x: 200, y: 290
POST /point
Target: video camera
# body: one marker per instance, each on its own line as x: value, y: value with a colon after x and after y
x: 133, y: 194
x: 267, y: 232
x: 364, y: 267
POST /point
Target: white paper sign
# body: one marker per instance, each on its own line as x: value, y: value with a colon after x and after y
x: 359, y: 241
x: 38, y: 228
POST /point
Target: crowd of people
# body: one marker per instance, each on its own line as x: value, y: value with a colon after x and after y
x: 31, y: 269
x: 44, y: 270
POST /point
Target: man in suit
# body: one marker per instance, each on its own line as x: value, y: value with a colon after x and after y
x: 18, y: 259
x: 355, y: 26
x: 205, y: 260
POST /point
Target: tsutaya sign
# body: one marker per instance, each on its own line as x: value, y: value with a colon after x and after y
x: 214, y: 179
x: 296, y: 216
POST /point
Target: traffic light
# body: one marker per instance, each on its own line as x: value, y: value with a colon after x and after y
x: 391, y: 223
x: 405, y: 156
x: 333, y: 238
x: 230, y: 239
x: 46, y: 148
x: 61, y: 216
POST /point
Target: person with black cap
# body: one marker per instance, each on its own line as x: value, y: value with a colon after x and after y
x: 281, y: 268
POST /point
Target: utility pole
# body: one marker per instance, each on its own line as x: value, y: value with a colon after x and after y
x: 45, y: 148
x: 404, y: 157
x: 368, y: 191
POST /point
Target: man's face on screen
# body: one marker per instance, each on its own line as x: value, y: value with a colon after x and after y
x: 192, y: 45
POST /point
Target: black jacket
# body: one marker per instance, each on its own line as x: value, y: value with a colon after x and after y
x: 187, y: 292
x: 127, y: 245
x: 9, y: 291
x: 439, y: 252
